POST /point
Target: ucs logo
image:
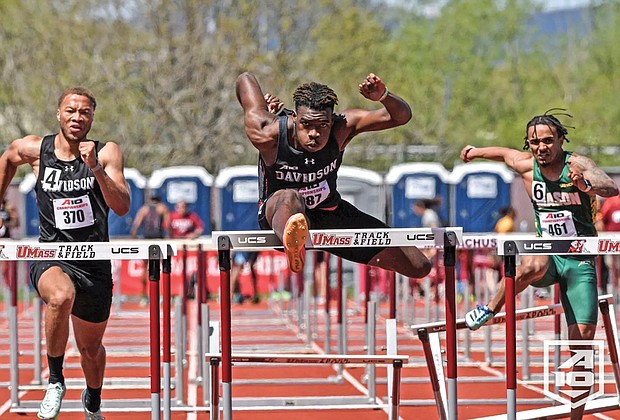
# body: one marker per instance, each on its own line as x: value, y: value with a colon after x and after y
x: 253, y: 240
x: 125, y: 250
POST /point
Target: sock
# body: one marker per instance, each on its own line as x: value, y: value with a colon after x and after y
x: 55, y: 367
x: 93, y: 399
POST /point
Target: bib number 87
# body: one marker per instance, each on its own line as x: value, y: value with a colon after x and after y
x: 312, y: 200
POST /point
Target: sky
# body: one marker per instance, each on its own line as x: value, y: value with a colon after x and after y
x: 433, y: 9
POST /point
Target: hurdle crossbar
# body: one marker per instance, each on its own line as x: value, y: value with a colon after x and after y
x: 343, y: 238
x: 578, y: 245
x: 33, y: 251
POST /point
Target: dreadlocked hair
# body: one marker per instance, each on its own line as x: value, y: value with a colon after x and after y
x: 315, y: 96
x: 550, y: 119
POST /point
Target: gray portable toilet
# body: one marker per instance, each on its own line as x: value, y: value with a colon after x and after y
x: 236, y: 199
x: 364, y: 189
x: 478, y: 191
x: 120, y: 226
x: 409, y: 182
x: 30, y: 218
x: 191, y: 184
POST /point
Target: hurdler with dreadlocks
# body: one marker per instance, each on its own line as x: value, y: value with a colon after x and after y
x: 300, y: 152
x: 562, y: 186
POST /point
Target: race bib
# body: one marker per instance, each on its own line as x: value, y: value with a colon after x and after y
x: 73, y: 213
x: 557, y: 223
x: 315, y: 194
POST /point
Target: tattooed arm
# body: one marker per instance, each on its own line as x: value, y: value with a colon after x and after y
x: 590, y: 178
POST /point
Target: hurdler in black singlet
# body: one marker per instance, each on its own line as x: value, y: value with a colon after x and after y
x: 72, y: 209
x: 71, y: 205
x: 313, y: 174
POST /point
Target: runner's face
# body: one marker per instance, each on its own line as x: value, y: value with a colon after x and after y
x: 545, y: 144
x: 75, y: 116
x: 312, y: 128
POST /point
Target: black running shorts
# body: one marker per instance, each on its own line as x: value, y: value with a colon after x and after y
x: 93, y: 286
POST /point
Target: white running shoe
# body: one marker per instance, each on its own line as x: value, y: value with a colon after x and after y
x: 50, y: 406
x: 87, y: 414
x: 478, y: 316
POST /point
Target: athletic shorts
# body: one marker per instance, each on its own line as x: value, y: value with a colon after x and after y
x: 345, y: 216
x: 578, y: 287
x: 93, y: 286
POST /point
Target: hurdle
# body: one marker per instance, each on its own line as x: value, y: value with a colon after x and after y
x: 256, y: 240
x: 395, y: 361
x: 31, y: 250
x: 510, y: 249
x: 428, y: 334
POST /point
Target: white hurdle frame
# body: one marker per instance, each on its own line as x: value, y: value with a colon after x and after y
x: 395, y: 361
x: 510, y: 249
x: 74, y: 251
x: 428, y: 334
x: 225, y: 241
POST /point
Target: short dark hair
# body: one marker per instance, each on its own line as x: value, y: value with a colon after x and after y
x: 550, y: 119
x: 78, y: 90
x: 315, y: 96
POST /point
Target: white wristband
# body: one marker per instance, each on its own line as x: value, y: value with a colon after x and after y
x: 384, y: 95
x: 588, y: 185
x: 97, y: 167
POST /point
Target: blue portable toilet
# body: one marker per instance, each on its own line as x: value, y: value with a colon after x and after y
x: 236, y: 199
x: 191, y: 184
x: 364, y: 189
x: 479, y: 191
x: 409, y: 182
x: 30, y: 218
x: 120, y: 226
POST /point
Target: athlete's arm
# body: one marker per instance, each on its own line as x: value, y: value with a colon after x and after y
x: 261, y: 126
x: 519, y: 161
x: 590, y: 178
x: 137, y: 222
x: 395, y: 112
x: 112, y: 180
x: 21, y: 151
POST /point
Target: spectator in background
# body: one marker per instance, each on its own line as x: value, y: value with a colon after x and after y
x: 506, y: 222
x: 424, y: 209
x: 153, y: 220
x: 10, y: 219
x: 240, y: 259
x: 184, y: 223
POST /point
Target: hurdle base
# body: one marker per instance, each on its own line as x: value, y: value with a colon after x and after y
x: 599, y: 405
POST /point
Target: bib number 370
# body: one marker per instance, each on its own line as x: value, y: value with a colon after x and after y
x: 73, y: 213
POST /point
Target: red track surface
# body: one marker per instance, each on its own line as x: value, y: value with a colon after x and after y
x: 256, y: 328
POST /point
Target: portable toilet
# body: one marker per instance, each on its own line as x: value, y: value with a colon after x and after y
x: 236, y: 198
x: 191, y: 184
x: 30, y: 218
x: 478, y: 191
x: 364, y: 189
x: 121, y: 225
x: 410, y: 182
